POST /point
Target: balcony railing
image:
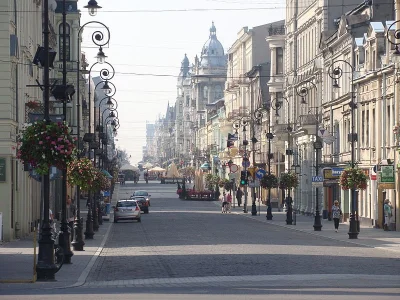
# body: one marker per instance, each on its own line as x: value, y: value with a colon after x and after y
x: 277, y: 30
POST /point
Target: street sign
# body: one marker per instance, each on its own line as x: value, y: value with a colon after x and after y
x: 317, y: 180
x: 260, y: 173
x: 246, y: 163
x: 234, y: 168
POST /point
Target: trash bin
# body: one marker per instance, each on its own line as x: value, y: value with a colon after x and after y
x: 325, y: 214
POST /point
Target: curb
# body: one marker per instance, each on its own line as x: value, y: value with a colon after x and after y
x: 82, y: 278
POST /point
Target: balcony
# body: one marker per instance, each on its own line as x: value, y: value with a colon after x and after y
x: 280, y: 30
x: 308, y: 123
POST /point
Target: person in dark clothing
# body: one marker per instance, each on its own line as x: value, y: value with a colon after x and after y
x: 239, y: 195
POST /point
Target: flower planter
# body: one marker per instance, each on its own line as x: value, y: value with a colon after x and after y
x: 353, y: 178
x: 45, y: 144
x: 81, y: 172
x: 288, y: 181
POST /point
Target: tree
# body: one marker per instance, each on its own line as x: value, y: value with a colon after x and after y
x: 123, y: 156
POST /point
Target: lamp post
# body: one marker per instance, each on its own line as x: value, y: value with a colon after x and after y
x: 109, y: 90
x: 64, y: 237
x: 99, y: 39
x: 303, y: 92
x: 45, y: 266
x: 243, y: 122
x: 336, y: 72
x: 289, y: 152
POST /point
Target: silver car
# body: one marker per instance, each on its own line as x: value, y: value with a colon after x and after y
x: 127, y: 210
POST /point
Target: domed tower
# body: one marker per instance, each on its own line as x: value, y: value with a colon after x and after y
x: 209, y: 73
x: 212, y: 54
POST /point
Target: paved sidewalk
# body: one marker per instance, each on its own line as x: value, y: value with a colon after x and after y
x: 368, y: 236
x: 16, y: 260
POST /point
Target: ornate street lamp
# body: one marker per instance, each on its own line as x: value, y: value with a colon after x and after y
x: 335, y: 72
x: 99, y: 39
x: 92, y: 7
x: 303, y: 92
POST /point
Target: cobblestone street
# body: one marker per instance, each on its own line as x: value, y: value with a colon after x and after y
x: 184, y: 239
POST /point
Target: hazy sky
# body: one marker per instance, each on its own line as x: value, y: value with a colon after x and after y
x: 148, y: 42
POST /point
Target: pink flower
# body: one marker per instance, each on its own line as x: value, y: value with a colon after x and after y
x: 40, y: 142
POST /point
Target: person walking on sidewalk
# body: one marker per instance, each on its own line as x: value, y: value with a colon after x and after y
x: 336, y: 214
x: 387, y: 209
x: 239, y: 195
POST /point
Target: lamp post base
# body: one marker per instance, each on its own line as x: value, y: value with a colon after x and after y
x: 353, y: 232
x: 78, y: 242
x: 254, y: 209
x: 317, y: 222
x: 45, y: 267
x: 65, y: 243
x: 289, y: 219
x: 89, y: 229
x: 269, y: 212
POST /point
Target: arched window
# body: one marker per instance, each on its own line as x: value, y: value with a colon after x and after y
x: 67, y: 41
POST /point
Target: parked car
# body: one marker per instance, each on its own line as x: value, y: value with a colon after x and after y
x: 127, y: 210
x: 141, y: 194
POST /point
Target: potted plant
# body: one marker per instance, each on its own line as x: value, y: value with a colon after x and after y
x: 353, y: 178
x: 32, y: 104
x: 288, y: 180
x: 44, y: 144
x: 81, y: 172
x: 269, y: 181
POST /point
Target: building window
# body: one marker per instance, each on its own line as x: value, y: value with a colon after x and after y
x: 279, y: 61
x: 67, y: 41
x: 205, y: 92
x: 218, y: 92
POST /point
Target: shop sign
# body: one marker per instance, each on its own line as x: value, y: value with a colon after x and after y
x: 332, y: 173
x: 387, y: 174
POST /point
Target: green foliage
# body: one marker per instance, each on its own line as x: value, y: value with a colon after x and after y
x: 269, y: 181
x: 288, y: 180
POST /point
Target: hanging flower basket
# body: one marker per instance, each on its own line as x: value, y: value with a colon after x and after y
x: 81, y: 172
x: 43, y: 144
x: 101, y: 182
x: 353, y: 178
x: 288, y: 181
x: 32, y: 104
x: 269, y: 181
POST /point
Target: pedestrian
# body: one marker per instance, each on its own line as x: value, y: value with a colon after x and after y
x: 387, y: 209
x: 336, y: 214
x: 224, y: 203
x: 239, y: 195
x: 71, y: 212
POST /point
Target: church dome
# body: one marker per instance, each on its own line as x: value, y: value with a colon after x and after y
x: 212, y: 54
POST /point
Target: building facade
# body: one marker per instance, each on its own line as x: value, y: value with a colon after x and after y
x: 20, y: 35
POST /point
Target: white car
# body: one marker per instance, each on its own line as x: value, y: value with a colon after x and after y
x: 127, y: 210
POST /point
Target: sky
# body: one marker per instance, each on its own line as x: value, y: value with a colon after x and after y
x: 148, y: 41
